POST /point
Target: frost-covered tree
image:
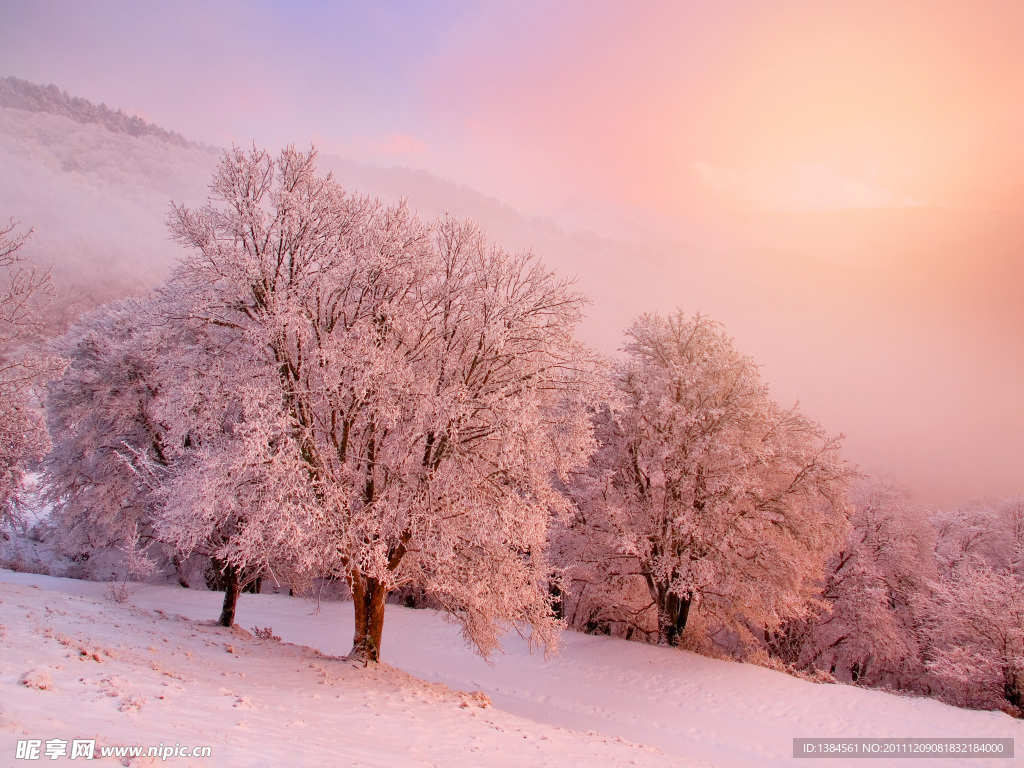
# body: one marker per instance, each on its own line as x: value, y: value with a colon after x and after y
x: 23, y: 437
x: 421, y: 389
x: 139, y: 425
x: 866, y: 629
x: 227, y: 492
x: 1011, y: 522
x: 600, y: 589
x: 973, y: 614
x: 974, y: 623
x: 721, y: 499
x: 102, y: 416
x: 976, y: 534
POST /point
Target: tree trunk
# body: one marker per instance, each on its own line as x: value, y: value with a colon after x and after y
x: 557, y: 600
x: 368, y: 595
x: 231, y: 590
x: 1013, y: 691
x: 673, y: 612
x: 179, y: 564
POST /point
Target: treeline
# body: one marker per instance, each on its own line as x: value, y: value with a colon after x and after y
x: 21, y: 94
x: 328, y: 388
x: 925, y: 603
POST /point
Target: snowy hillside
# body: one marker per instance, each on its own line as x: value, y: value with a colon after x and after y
x: 155, y: 670
x: 97, y: 202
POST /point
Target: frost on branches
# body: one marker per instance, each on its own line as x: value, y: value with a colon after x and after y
x: 412, y: 393
x: 975, y: 624
x: 704, y: 491
x: 236, y: 490
x: 23, y: 437
x: 102, y: 416
x: 866, y: 631
x: 973, y: 616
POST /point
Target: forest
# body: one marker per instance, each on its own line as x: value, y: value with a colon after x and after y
x: 329, y: 393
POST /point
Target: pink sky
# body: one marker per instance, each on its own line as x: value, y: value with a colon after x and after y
x: 667, y: 104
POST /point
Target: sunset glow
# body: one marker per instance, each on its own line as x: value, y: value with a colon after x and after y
x: 796, y: 105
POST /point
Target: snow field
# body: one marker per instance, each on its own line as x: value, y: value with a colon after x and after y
x: 125, y: 675
x: 166, y: 674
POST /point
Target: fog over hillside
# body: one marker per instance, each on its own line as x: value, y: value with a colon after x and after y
x: 96, y: 200
x: 920, y: 368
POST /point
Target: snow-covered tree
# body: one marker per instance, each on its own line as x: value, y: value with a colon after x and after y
x: 973, y: 614
x: 867, y: 631
x: 234, y: 490
x: 974, y: 534
x: 974, y: 623
x: 1011, y: 521
x: 723, y: 500
x: 101, y: 413
x: 421, y: 390
x: 139, y: 426
x: 600, y: 589
x: 23, y: 437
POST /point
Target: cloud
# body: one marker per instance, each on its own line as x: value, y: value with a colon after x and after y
x: 804, y: 187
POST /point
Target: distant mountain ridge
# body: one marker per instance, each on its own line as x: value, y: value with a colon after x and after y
x: 21, y: 94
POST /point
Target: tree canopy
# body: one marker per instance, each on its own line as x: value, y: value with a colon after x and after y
x: 720, y: 498
x: 419, y: 391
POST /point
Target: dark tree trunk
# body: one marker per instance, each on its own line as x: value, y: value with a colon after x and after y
x: 673, y: 612
x: 1013, y: 691
x: 231, y: 590
x: 368, y: 595
x: 858, y: 670
x: 179, y: 564
x: 557, y: 600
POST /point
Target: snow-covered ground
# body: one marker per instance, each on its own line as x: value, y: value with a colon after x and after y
x: 155, y: 670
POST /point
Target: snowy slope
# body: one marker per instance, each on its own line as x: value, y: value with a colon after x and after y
x: 271, y: 704
x: 127, y: 676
